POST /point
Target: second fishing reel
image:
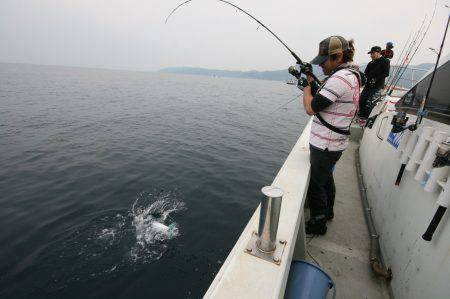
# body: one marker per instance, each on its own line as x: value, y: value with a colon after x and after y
x: 399, y: 123
x: 442, y: 156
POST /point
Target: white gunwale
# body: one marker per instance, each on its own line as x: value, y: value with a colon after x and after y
x: 243, y: 275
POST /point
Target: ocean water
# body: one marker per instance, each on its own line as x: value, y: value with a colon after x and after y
x: 118, y: 184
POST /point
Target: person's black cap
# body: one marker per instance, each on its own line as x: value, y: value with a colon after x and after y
x: 374, y: 49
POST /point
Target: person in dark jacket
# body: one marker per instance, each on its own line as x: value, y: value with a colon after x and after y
x: 376, y: 72
x: 388, y: 52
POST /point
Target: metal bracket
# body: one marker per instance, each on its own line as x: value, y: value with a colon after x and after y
x: 273, y: 257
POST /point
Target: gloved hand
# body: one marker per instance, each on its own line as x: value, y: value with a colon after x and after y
x: 302, y: 83
x: 306, y: 68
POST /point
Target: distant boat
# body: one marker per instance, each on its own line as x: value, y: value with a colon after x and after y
x: 291, y: 82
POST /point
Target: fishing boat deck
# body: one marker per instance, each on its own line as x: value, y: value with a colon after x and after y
x: 344, y: 251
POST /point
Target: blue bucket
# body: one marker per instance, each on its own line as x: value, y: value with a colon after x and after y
x: 307, y: 281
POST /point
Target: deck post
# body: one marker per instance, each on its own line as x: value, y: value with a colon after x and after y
x: 268, y: 218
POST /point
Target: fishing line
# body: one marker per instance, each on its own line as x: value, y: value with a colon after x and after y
x: 285, y: 104
x: 298, y: 60
x: 394, y: 72
x: 418, y: 46
x: 410, y: 48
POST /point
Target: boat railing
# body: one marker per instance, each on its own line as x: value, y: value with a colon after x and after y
x: 406, y: 81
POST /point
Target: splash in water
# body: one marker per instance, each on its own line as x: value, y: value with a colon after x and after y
x: 153, y: 224
x: 113, y: 242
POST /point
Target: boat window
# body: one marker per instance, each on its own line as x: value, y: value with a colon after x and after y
x: 438, y: 103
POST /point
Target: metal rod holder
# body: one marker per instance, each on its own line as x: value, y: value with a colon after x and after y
x: 269, y: 216
x: 264, y: 243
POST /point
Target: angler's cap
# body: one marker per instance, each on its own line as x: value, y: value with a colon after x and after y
x: 374, y: 49
x: 329, y: 46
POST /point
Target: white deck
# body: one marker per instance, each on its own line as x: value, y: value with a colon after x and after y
x: 344, y: 251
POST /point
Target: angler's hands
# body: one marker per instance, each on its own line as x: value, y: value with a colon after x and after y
x: 306, y: 68
x: 302, y: 83
x: 297, y: 72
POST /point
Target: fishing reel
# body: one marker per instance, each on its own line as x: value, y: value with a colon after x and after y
x: 399, y: 123
x: 301, y: 68
x: 294, y: 72
x: 442, y: 156
x: 302, y: 82
x: 371, y: 121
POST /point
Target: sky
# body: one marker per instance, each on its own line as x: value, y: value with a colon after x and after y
x: 132, y: 34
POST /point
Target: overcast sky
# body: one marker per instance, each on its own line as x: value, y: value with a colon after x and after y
x: 131, y: 34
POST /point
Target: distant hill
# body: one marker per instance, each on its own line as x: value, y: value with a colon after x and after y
x: 281, y: 75
x: 277, y: 75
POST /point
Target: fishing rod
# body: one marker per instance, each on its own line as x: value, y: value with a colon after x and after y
x: 402, y: 59
x: 398, y: 59
x: 442, y: 156
x: 306, y: 68
x: 408, y: 52
x: 405, y: 62
x: 409, y: 49
x: 424, y: 103
x: 399, y: 125
x: 417, y: 48
x: 409, y: 45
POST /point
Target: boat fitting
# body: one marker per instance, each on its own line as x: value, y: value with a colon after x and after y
x: 263, y: 244
x: 375, y: 261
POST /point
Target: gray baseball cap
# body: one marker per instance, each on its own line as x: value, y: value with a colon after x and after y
x: 329, y: 46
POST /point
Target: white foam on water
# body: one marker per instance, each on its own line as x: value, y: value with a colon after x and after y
x: 110, y: 234
x: 153, y: 225
x: 107, y: 233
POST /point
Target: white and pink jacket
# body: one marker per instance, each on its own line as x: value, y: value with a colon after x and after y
x: 342, y: 88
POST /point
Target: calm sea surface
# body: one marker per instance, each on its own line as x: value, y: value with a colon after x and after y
x: 117, y: 184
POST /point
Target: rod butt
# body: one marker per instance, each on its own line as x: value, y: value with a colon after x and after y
x: 428, y: 235
x: 400, y: 174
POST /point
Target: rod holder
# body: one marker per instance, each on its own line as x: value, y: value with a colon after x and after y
x: 264, y: 244
x: 269, y: 216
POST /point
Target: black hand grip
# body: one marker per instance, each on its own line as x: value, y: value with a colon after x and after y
x: 428, y: 235
x: 400, y: 174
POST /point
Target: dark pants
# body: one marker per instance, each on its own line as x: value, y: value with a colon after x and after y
x: 321, y: 190
x: 366, y: 101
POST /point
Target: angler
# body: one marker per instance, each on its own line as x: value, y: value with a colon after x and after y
x: 334, y: 105
x: 388, y: 52
x: 376, y: 72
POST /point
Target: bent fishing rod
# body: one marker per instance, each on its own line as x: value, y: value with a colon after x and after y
x: 306, y: 68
